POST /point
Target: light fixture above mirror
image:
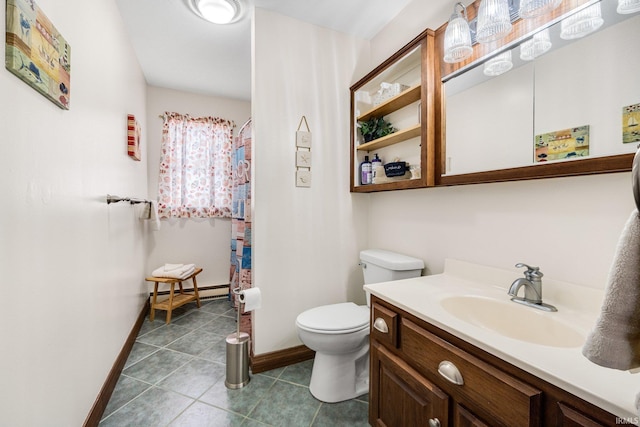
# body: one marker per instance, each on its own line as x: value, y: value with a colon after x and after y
x: 499, y: 64
x: 628, y: 6
x: 216, y: 11
x: 533, y: 8
x: 494, y: 20
x: 581, y: 23
x: 457, y: 38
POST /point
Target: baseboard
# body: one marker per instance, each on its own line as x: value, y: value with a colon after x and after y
x: 93, y: 419
x: 277, y: 359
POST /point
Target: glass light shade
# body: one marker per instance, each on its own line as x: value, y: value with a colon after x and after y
x: 581, y: 23
x: 217, y: 11
x: 498, y: 65
x: 494, y: 22
x: 539, y: 44
x: 628, y: 6
x: 532, y: 8
x: 457, y: 40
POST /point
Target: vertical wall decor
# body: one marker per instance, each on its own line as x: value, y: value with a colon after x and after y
x: 133, y: 137
x: 631, y: 123
x: 36, y: 52
x: 303, y: 155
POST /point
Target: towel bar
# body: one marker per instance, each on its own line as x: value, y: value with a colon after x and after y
x: 115, y: 199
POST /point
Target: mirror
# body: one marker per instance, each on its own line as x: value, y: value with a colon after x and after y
x: 566, y: 110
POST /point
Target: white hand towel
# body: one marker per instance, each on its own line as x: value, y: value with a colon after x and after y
x: 615, y: 340
x: 150, y: 212
x: 169, y: 267
x: 177, y: 273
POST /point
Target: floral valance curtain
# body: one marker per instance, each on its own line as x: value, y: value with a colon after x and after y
x: 195, y: 167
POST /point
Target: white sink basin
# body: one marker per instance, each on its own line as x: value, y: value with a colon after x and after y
x: 513, y: 320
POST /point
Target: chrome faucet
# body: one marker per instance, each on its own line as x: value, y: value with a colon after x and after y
x: 532, y: 282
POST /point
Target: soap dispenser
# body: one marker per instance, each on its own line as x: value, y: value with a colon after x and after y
x: 375, y: 163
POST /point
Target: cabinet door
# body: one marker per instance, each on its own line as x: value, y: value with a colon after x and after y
x: 464, y: 418
x: 400, y: 396
x: 570, y: 417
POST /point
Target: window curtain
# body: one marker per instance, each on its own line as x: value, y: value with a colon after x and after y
x: 195, y: 167
x: 240, y: 274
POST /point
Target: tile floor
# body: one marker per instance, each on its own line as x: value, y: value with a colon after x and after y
x: 175, y: 376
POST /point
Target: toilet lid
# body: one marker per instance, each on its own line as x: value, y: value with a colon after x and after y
x: 345, y: 317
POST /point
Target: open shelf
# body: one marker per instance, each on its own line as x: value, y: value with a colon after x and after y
x: 393, y: 104
x: 390, y: 139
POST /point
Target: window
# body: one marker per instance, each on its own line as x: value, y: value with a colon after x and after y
x: 195, y: 167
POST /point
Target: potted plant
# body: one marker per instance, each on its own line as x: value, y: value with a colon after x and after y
x: 375, y: 128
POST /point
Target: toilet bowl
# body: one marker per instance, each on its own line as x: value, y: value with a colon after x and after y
x: 339, y: 333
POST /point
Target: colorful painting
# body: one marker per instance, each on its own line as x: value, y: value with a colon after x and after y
x: 562, y: 144
x: 631, y: 123
x: 36, y: 52
x: 133, y: 137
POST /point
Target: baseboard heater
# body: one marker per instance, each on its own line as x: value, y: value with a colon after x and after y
x: 206, y: 293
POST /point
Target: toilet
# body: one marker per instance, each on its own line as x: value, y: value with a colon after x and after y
x: 339, y: 333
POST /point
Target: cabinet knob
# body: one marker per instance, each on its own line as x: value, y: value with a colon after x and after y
x: 434, y: 422
x: 381, y: 325
x: 450, y: 372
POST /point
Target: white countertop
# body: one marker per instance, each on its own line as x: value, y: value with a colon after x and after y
x: 610, y: 389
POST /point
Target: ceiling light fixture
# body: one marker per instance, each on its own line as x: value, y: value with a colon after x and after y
x: 216, y: 11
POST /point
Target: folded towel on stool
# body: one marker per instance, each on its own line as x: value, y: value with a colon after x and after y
x: 615, y: 340
x: 174, y: 273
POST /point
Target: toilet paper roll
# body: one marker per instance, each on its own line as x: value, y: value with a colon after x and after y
x: 251, y: 298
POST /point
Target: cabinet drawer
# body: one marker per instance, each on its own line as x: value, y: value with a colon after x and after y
x: 383, y: 319
x: 502, y: 398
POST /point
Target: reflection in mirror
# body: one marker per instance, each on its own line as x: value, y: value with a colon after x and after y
x: 559, y: 100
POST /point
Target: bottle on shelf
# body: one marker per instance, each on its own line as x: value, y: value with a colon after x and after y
x: 365, y: 172
x: 375, y: 164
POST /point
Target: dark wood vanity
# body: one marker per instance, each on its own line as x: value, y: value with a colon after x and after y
x: 406, y: 388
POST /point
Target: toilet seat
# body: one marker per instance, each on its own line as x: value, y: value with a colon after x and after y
x: 342, y: 318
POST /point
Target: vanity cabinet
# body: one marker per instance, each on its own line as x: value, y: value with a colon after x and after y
x: 400, y: 91
x: 424, y: 376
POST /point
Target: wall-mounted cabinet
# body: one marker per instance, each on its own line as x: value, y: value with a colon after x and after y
x: 400, y: 91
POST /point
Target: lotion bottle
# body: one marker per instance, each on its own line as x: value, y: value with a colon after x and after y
x: 365, y: 171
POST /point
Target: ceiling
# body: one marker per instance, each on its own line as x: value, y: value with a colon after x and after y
x: 179, y: 50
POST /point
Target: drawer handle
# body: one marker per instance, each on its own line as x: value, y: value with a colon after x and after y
x: 381, y: 325
x: 434, y: 422
x: 450, y: 372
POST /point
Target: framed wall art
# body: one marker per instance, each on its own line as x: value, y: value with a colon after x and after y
x: 36, y: 52
x: 133, y: 137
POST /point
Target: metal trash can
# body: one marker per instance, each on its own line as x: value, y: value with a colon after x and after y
x: 237, y: 360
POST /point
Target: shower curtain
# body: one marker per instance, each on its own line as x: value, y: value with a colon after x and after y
x: 240, y: 274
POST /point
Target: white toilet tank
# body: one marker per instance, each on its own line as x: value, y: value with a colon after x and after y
x: 379, y: 265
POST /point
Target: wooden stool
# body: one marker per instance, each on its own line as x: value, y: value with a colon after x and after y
x: 174, y: 301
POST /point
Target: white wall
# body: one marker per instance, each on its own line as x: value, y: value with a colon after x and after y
x: 205, y: 242
x: 71, y: 266
x: 567, y: 226
x: 305, y: 240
